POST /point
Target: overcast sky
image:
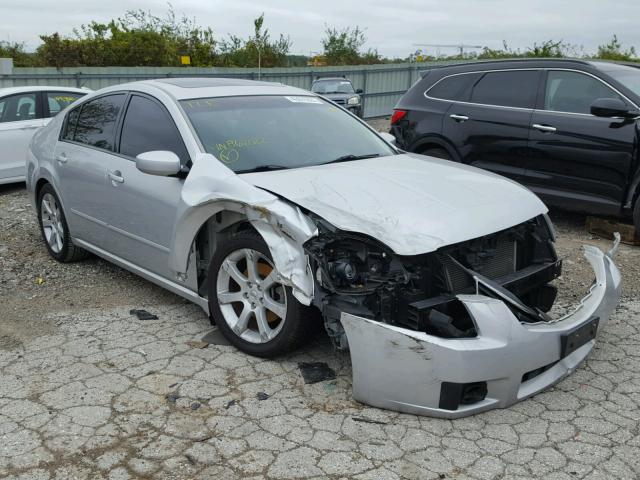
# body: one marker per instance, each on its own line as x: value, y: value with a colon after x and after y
x: 392, y: 26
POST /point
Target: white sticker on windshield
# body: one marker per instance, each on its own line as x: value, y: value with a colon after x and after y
x: 304, y: 99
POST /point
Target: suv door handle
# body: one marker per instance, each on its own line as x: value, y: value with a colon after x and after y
x: 62, y: 158
x: 544, y: 128
x: 116, y: 177
x: 459, y: 118
x: 30, y: 127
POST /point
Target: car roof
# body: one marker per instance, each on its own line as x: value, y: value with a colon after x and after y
x: 202, y: 87
x: 40, y: 88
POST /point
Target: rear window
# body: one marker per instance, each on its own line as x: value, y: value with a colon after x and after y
x: 516, y: 88
x: 70, y: 125
x: 58, y: 101
x: 96, y: 125
x: 454, y: 87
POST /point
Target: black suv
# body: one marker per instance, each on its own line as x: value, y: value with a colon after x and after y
x: 567, y: 129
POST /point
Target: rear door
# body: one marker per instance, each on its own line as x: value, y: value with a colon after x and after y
x: 88, y: 143
x: 490, y: 127
x: 20, y: 117
x: 579, y: 161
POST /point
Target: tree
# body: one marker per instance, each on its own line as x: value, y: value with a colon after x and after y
x: 137, y: 39
x: 256, y: 50
x: 548, y: 49
x: 613, y: 51
x: 342, y: 47
x: 20, y: 57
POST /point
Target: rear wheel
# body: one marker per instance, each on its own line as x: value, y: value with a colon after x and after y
x: 54, y: 228
x: 248, y: 302
x: 437, y: 153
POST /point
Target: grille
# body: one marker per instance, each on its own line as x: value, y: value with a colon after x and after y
x: 339, y: 101
x: 491, y: 263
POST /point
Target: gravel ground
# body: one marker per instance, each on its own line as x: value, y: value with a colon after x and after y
x: 88, y: 391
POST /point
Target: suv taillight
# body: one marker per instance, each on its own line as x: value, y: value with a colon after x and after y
x: 397, y: 116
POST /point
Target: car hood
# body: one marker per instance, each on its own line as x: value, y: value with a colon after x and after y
x: 412, y: 203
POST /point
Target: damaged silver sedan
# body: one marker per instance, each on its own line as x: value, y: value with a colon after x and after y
x: 273, y: 208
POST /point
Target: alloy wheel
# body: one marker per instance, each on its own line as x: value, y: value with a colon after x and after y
x: 52, y: 226
x: 251, y: 297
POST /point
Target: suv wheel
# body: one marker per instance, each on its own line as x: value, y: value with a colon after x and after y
x: 251, y: 307
x: 437, y: 153
x: 636, y: 216
x: 54, y: 228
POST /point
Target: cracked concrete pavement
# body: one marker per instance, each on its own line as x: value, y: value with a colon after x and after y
x: 110, y: 396
x: 88, y: 391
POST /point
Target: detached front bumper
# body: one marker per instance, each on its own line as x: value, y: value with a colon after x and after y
x: 413, y: 372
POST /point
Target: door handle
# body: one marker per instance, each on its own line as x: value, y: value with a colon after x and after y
x: 116, y: 177
x: 62, y: 158
x: 32, y: 127
x: 544, y: 128
x: 459, y: 118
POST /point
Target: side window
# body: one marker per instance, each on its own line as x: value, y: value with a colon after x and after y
x: 58, y: 101
x: 453, y: 87
x: 574, y: 92
x: 97, y: 121
x: 17, y: 108
x: 70, y: 124
x: 515, y: 88
x: 147, y: 127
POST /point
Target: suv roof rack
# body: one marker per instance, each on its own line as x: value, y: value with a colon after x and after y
x: 507, y: 60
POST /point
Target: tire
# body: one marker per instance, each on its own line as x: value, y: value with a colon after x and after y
x: 437, y: 153
x: 246, y: 298
x: 54, y: 228
x: 636, y: 217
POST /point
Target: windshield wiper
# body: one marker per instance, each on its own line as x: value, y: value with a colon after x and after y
x: 263, y: 168
x: 348, y: 158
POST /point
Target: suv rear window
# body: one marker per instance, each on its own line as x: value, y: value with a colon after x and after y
x: 516, y: 88
x: 453, y: 87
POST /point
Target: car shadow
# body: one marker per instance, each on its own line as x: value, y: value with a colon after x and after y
x: 12, y: 187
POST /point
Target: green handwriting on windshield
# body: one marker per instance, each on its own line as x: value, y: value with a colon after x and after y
x: 229, y: 150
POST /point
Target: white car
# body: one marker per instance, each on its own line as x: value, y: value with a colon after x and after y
x: 22, y: 111
x: 259, y: 201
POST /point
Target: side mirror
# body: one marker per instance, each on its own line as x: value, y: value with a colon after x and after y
x: 360, y: 91
x: 612, y: 107
x: 158, y: 162
x: 388, y: 137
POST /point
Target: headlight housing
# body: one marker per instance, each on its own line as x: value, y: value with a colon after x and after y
x: 353, y: 264
x: 354, y: 100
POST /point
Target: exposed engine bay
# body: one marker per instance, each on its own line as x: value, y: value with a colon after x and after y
x: 360, y: 276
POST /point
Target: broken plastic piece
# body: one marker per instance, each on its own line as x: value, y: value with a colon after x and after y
x: 314, y: 372
x: 143, y: 314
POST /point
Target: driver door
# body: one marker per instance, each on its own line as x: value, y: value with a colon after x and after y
x: 140, y: 208
x: 577, y: 160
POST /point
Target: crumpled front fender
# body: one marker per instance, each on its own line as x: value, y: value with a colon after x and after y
x: 210, y: 188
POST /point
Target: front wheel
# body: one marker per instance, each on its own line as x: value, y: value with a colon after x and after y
x: 248, y: 302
